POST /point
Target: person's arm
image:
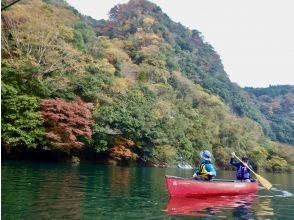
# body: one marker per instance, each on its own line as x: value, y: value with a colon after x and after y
x: 196, y: 169
x: 234, y: 163
x: 210, y: 169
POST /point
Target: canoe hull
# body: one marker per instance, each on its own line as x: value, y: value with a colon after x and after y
x: 180, y: 187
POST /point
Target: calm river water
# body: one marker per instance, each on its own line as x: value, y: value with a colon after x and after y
x: 89, y: 191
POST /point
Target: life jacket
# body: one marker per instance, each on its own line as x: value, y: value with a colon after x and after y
x: 243, y: 173
x: 203, y: 172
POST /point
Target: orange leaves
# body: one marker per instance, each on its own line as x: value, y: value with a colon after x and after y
x: 119, y: 152
x: 121, y: 149
x: 66, y: 121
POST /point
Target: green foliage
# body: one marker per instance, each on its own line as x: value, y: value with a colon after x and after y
x: 85, y: 39
x: 150, y: 80
x: 163, y: 155
x: 21, y: 121
x: 127, y: 115
x: 91, y: 85
x: 258, y: 157
x: 277, y: 105
x: 25, y: 79
x: 272, y: 91
x: 222, y: 157
x: 277, y: 164
x: 185, y: 149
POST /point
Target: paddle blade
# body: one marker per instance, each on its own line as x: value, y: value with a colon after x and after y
x: 265, y: 183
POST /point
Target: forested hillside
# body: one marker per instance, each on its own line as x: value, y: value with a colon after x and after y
x: 277, y: 104
x: 137, y: 87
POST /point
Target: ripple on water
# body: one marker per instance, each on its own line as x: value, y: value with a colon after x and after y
x: 284, y: 193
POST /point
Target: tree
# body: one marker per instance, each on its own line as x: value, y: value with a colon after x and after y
x: 44, y: 44
x: 66, y: 123
x: 21, y: 121
x: 258, y: 157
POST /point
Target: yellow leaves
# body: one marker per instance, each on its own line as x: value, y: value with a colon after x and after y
x: 113, y: 50
x: 282, y: 150
x: 148, y: 21
x: 153, y: 74
x: 103, y: 99
x: 42, y: 34
x: 144, y: 39
x: 104, y: 66
x: 104, y: 41
x: 149, y: 50
x: 277, y: 164
x: 39, y: 16
x: 138, y: 93
x: 163, y: 109
x: 67, y: 33
x: 129, y: 70
x: 119, y: 140
x: 258, y: 155
x: 152, y: 55
x: 116, y: 55
x: 195, y: 93
x: 121, y: 85
x: 161, y: 89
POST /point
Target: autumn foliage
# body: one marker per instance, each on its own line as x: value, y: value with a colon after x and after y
x: 160, y: 93
x: 122, y: 149
x: 65, y: 122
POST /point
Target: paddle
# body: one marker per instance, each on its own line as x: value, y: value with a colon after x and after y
x: 265, y: 183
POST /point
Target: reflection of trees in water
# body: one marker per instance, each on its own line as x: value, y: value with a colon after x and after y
x: 282, y: 178
x: 264, y: 208
x: 17, y: 198
x: 40, y: 191
x: 61, y: 191
x: 119, y: 180
x: 133, y: 181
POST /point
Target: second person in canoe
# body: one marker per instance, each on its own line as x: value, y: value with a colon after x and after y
x: 243, y: 173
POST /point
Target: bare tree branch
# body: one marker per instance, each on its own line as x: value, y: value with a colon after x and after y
x: 9, y: 5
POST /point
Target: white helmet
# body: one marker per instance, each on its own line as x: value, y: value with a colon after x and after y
x: 205, y: 155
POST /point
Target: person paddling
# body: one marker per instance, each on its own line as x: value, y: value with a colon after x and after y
x: 206, y: 170
x: 243, y: 173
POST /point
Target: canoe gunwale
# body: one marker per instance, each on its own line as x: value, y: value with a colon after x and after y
x: 212, y: 181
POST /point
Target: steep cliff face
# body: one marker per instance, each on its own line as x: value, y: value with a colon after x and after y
x: 149, y: 80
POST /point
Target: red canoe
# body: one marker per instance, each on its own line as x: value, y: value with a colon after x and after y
x: 180, y: 187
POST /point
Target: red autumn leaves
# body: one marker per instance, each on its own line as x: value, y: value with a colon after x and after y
x: 66, y: 122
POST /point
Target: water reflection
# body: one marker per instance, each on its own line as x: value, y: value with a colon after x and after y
x: 264, y: 208
x: 239, y: 206
x: 59, y: 190
x: 119, y: 181
x: 89, y: 191
x: 31, y: 191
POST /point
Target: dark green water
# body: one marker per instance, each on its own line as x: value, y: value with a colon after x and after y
x: 89, y: 191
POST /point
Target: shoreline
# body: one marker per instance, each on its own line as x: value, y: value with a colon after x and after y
x: 111, y: 162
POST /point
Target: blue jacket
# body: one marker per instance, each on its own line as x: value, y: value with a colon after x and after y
x: 243, y: 172
x: 205, y: 170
